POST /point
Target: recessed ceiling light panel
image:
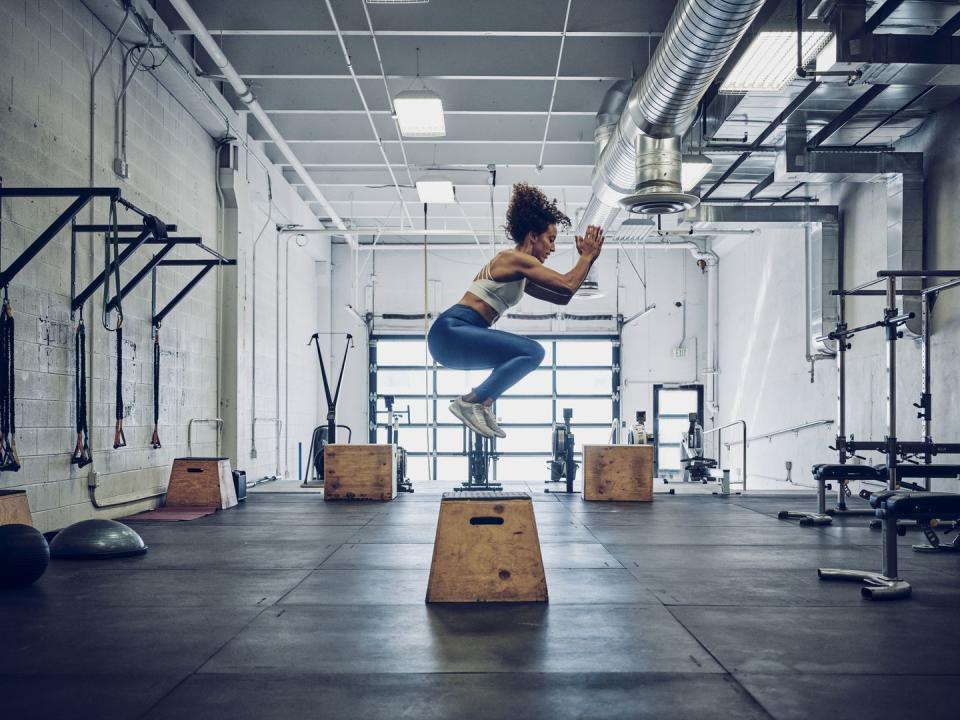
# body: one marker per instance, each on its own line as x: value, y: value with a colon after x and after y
x: 420, y: 113
x: 435, y: 191
x: 771, y: 61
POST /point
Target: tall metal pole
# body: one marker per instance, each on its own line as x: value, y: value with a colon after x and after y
x: 889, y: 568
x: 926, y: 398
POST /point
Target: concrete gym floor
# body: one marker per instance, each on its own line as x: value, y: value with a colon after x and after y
x: 286, y: 607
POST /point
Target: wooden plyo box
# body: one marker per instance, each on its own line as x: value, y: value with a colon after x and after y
x: 201, y: 482
x: 618, y: 472
x: 359, y: 472
x: 14, y: 508
x: 486, y: 550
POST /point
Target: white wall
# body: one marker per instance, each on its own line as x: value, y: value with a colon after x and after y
x: 648, y: 344
x: 762, y: 373
x: 47, y: 51
x: 283, y: 278
x: 764, y: 378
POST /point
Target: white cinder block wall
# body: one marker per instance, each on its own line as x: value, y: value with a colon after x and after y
x: 47, y: 51
x: 762, y: 371
x: 647, y: 352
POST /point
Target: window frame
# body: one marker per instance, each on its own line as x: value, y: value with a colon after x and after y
x: 657, y: 389
x: 557, y: 400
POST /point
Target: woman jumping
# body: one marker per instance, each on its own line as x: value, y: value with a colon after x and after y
x: 462, y: 339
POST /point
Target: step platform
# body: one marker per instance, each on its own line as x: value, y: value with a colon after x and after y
x: 15, y: 508
x: 359, y: 472
x: 622, y: 473
x: 486, y: 550
x: 198, y: 482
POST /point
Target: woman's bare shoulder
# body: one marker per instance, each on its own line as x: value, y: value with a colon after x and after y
x: 513, y: 258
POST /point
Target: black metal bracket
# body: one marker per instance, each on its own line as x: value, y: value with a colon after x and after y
x: 145, y: 236
x: 81, y: 197
x: 205, y: 265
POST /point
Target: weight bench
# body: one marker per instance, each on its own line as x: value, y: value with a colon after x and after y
x: 823, y: 474
x: 925, y: 508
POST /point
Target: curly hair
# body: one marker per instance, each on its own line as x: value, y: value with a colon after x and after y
x: 530, y: 211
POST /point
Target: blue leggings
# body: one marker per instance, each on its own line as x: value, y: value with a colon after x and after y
x: 461, y: 339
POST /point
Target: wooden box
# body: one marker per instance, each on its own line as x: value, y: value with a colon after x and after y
x: 201, y: 482
x: 359, y: 472
x: 486, y: 550
x: 15, y: 508
x: 618, y: 472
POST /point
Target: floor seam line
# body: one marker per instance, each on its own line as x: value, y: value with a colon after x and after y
x: 726, y: 670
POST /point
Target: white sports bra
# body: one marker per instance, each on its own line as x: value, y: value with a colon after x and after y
x: 501, y: 296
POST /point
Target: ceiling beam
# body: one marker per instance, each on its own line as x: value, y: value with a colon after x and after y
x: 439, y: 33
x: 948, y: 28
x: 761, y: 138
x: 845, y: 116
x: 881, y: 14
x: 829, y: 130
x: 485, y: 78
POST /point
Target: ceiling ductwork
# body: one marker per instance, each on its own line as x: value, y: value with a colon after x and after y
x: 639, y: 167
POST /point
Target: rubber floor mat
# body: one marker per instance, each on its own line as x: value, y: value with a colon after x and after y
x: 172, y: 514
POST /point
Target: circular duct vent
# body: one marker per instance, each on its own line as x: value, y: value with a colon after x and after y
x: 590, y: 289
x: 659, y: 203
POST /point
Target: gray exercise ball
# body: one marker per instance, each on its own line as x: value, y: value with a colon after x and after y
x: 24, y: 555
x: 91, y: 539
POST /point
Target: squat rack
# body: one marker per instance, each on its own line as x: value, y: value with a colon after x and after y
x: 887, y: 583
x: 846, y: 446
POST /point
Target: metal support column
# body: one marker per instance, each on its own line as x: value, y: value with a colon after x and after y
x: 889, y: 566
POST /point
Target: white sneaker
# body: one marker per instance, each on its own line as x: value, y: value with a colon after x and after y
x: 471, y: 415
x: 491, y: 421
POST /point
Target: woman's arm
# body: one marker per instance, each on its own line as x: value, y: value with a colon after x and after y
x: 565, y: 284
x: 542, y: 293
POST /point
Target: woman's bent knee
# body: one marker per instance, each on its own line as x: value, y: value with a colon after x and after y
x: 536, y: 353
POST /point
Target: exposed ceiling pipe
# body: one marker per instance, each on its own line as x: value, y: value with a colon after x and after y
x: 246, y: 97
x: 386, y: 88
x: 366, y: 109
x: 556, y: 77
x: 611, y: 108
x: 699, y: 38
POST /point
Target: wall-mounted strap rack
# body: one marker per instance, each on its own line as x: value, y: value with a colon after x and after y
x: 150, y: 231
x: 81, y: 197
x: 204, y: 265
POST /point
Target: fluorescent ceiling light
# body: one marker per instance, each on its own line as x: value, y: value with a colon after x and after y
x: 397, y: 2
x: 435, y: 191
x: 420, y: 113
x: 771, y: 61
x: 693, y: 169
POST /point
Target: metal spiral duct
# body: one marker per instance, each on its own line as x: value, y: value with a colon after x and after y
x: 699, y: 38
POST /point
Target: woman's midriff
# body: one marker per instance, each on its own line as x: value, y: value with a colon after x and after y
x: 475, y: 303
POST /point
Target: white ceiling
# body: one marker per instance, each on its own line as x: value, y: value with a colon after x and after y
x: 493, y: 63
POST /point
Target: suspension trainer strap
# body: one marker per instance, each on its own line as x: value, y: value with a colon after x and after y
x: 81, y: 451
x: 9, y: 460
x: 111, y: 239
x: 155, y: 440
x: 119, y: 440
